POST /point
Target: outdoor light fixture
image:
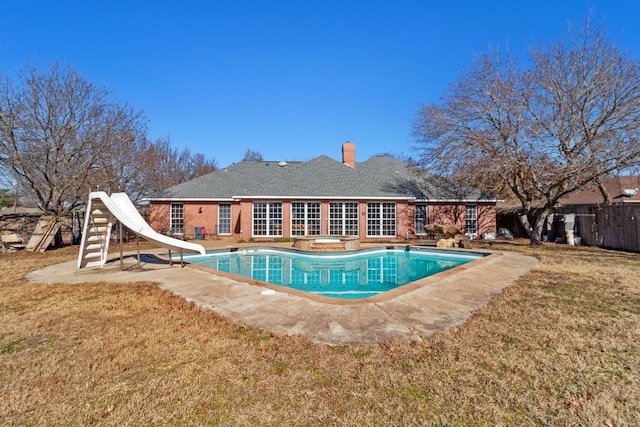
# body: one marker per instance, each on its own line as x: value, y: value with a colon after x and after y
x: 199, y: 210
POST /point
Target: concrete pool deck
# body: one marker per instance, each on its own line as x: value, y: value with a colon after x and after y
x: 443, y: 301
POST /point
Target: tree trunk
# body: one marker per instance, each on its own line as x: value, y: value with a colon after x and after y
x: 523, y: 217
x: 604, y: 192
x: 536, y: 233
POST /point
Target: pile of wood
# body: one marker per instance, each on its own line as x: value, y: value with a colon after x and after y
x: 43, y: 235
x: 39, y: 232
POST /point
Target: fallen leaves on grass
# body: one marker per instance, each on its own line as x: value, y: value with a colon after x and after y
x: 557, y: 348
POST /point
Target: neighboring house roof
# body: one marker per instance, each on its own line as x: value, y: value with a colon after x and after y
x: 382, y: 177
x: 622, y: 189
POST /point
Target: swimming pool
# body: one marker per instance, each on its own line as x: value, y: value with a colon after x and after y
x: 351, y: 275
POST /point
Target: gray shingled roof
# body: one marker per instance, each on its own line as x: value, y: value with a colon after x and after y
x: 322, y: 177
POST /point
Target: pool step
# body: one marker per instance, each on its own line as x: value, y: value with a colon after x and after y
x: 321, y: 246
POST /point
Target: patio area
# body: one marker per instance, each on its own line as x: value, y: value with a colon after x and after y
x: 439, y: 302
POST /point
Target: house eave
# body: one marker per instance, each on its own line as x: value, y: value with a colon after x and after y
x: 238, y: 198
x: 188, y: 199
x: 320, y: 198
x: 457, y: 200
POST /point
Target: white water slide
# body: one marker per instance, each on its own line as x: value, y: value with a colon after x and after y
x: 101, y: 211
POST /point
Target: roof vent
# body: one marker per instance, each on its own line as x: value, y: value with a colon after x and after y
x: 282, y: 164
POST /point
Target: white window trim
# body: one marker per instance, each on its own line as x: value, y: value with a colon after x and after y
x: 306, y: 218
x: 230, y: 219
x: 475, y: 220
x: 420, y: 231
x: 268, y: 219
x: 173, y: 218
x: 343, y: 218
x: 380, y: 206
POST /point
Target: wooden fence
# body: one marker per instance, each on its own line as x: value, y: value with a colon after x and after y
x: 613, y: 227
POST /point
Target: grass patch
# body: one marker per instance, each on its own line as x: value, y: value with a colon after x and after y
x: 12, y: 346
x: 560, y: 347
x: 18, y: 344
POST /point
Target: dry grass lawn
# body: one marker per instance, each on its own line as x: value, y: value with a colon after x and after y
x: 559, y: 348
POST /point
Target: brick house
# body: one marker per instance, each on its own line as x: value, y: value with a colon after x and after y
x: 381, y: 198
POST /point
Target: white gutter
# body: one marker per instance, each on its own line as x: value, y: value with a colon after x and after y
x: 320, y: 198
x: 236, y: 198
x: 199, y: 199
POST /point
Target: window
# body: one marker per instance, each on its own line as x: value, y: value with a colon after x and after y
x: 176, y: 219
x: 422, y: 218
x: 343, y: 219
x: 267, y: 219
x: 224, y: 218
x: 305, y: 218
x: 381, y: 219
x: 471, y: 219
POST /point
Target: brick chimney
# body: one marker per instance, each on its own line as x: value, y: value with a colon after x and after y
x: 349, y: 154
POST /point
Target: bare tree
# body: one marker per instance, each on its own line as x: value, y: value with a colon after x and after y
x: 200, y: 165
x: 59, y: 135
x: 542, y: 131
x: 6, y: 198
x: 252, y: 155
x: 160, y: 166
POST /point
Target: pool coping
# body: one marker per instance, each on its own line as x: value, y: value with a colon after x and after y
x: 384, y: 296
x: 441, y: 302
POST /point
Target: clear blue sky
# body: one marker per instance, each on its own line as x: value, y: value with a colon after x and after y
x: 289, y: 79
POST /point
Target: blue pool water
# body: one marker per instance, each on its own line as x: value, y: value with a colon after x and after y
x: 350, y: 275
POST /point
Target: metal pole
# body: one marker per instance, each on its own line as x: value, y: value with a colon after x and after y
x: 15, y: 196
x: 121, y: 247
x: 138, y: 245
